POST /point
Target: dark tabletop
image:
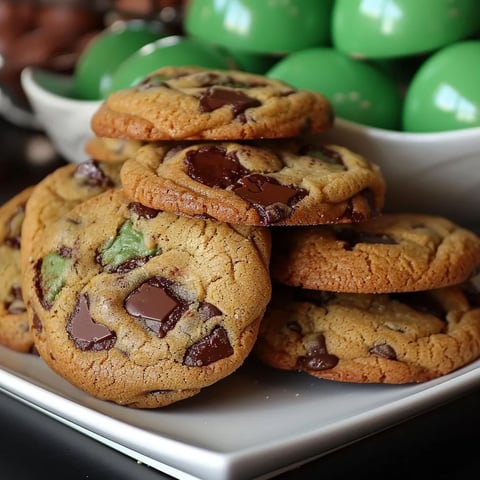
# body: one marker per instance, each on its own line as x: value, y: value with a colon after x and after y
x: 439, y: 444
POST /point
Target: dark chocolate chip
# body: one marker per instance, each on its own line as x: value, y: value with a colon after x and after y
x: 37, y: 324
x: 209, y: 349
x: 317, y: 357
x: 90, y: 174
x: 16, y: 306
x: 142, y: 211
x: 383, y: 350
x: 207, y: 310
x: 353, y: 237
x: 14, y: 228
x: 85, y: 332
x: 155, y: 302
x: 272, y: 200
x: 214, y: 167
x: 217, y: 97
x: 322, y: 153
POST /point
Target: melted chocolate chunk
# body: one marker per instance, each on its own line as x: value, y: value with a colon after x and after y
x: 155, y: 81
x: 214, y: 167
x: 90, y: 174
x: 318, y: 358
x: 85, y: 332
x: 272, y: 200
x: 422, y: 302
x: 383, y: 350
x: 209, y: 349
x: 37, y: 324
x: 142, y: 211
x: 207, y: 310
x: 16, y: 306
x: 217, y: 97
x: 156, y: 303
x: 352, y: 237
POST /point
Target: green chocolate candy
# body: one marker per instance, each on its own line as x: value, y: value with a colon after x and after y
x: 127, y: 246
x: 53, y: 274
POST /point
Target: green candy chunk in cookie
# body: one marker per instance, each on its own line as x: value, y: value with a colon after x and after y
x: 127, y: 248
x: 52, y: 273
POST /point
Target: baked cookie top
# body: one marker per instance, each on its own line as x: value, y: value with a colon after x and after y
x: 143, y: 307
x: 14, y: 329
x: 111, y: 149
x: 366, y: 338
x: 388, y: 253
x: 60, y: 191
x: 180, y: 103
x: 292, y: 182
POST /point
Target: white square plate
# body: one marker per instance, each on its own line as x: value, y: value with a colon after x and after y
x: 256, y: 423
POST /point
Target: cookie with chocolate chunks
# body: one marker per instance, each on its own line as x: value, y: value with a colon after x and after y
x: 14, y: 328
x: 263, y: 183
x: 389, y: 253
x: 370, y: 338
x: 192, y: 103
x: 142, y: 307
x: 60, y: 191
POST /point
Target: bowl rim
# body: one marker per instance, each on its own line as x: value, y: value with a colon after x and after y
x: 410, y: 137
x: 36, y: 89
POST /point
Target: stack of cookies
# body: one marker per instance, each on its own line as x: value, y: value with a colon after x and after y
x: 146, y: 273
x: 390, y: 300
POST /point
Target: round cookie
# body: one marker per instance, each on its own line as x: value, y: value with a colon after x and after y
x: 59, y: 192
x: 367, y: 338
x: 111, y: 149
x: 143, y: 307
x: 293, y: 182
x: 389, y: 253
x: 14, y: 327
x: 191, y: 103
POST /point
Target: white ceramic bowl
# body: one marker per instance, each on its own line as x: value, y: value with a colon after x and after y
x: 436, y: 173
x: 65, y: 120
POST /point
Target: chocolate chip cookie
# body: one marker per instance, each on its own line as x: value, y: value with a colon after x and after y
x: 60, y: 191
x: 367, y: 338
x: 292, y: 182
x: 14, y: 328
x: 389, y: 253
x: 143, y: 307
x: 190, y: 103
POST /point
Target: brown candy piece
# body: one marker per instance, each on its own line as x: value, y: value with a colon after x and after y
x: 85, y: 332
x: 217, y: 97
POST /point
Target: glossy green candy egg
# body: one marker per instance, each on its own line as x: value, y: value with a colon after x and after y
x: 445, y: 91
x: 261, y: 26
x: 358, y: 91
x: 392, y: 28
x: 168, y: 51
x: 94, y: 68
